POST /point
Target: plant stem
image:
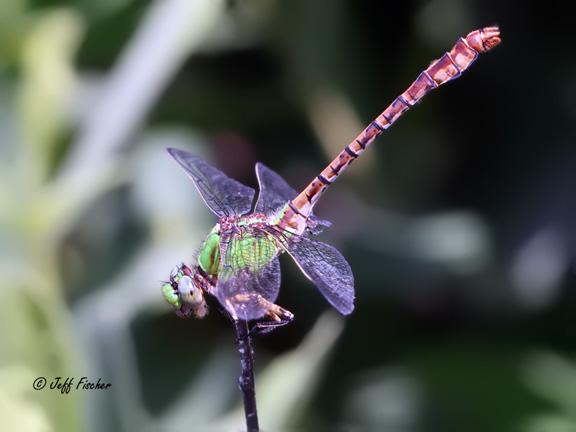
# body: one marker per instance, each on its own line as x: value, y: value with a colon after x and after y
x: 246, y: 380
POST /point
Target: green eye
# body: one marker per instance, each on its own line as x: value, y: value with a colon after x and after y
x: 171, y: 296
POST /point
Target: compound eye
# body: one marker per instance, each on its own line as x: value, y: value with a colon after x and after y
x: 171, y: 295
x: 188, y: 292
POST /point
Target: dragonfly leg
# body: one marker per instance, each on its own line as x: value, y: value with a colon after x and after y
x: 264, y: 327
x: 230, y: 309
x: 271, y: 316
x: 277, y: 315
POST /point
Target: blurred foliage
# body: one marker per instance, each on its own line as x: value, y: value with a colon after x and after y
x: 553, y: 378
x: 459, y: 224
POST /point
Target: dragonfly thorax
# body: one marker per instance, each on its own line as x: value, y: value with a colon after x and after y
x: 233, y: 224
x: 232, y: 234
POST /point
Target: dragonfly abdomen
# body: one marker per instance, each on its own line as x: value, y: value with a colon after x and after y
x: 448, y: 67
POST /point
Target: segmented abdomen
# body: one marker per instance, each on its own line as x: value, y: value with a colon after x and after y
x: 446, y: 68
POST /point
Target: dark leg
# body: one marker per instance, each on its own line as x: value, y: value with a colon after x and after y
x: 246, y: 380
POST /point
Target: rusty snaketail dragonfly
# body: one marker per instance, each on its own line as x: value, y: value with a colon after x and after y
x: 238, y: 262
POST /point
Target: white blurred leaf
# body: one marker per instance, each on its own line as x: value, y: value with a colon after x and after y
x: 458, y: 241
x: 387, y: 399
x: 170, y: 31
x: 539, y: 266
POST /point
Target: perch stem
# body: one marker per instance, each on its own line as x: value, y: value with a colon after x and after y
x: 246, y: 380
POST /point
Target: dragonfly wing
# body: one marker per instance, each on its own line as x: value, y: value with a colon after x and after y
x: 327, y: 268
x: 249, y: 279
x: 274, y: 193
x: 317, y: 225
x: 223, y: 195
x: 247, y: 294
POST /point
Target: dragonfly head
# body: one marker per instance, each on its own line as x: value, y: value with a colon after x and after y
x: 183, y: 294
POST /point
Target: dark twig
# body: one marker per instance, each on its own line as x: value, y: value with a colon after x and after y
x: 246, y: 380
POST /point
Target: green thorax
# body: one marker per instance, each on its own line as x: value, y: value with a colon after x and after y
x: 249, y: 247
x: 209, y: 257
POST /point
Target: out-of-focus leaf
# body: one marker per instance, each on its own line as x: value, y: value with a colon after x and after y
x: 19, y: 412
x: 387, y: 399
x: 550, y: 423
x: 552, y: 377
x: 166, y: 37
x: 36, y: 339
x: 47, y: 84
x: 335, y: 122
x: 539, y: 266
x: 14, y: 21
x: 206, y: 398
x: 11, y: 8
x: 458, y: 241
x: 288, y: 383
x: 170, y: 31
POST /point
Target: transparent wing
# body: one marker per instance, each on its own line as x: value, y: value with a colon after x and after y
x: 325, y: 267
x: 274, y: 193
x: 223, y: 195
x: 250, y: 276
x: 242, y: 291
x: 317, y: 225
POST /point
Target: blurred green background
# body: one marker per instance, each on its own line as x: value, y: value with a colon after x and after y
x: 459, y: 223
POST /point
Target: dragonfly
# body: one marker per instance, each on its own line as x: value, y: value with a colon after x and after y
x: 238, y: 261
